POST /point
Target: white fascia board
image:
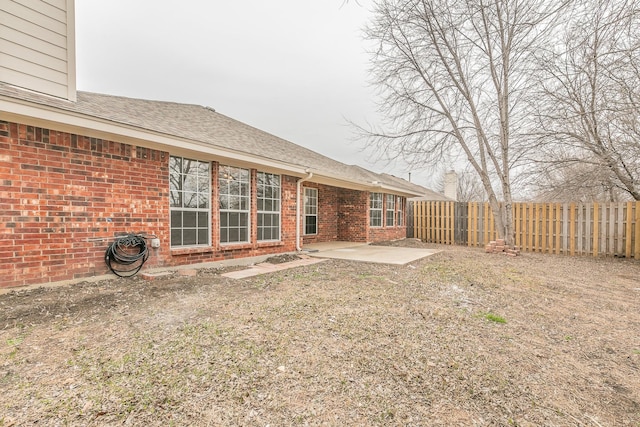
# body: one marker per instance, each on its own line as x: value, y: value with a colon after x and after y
x: 320, y: 178
x: 399, y: 191
x: 67, y: 121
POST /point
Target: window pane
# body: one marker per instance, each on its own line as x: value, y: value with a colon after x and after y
x: 224, y: 203
x: 203, y: 236
x: 189, y: 219
x: 175, y: 198
x: 234, y: 203
x: 203, y: 201
x: 234, y: 219
x: 190, y: 182
x: 189, y: 236
x: 176, y: 219
x: 176, y: 237
x: 203, y: 219
x: 233, y: 235
x: 190, y: 199
x: 310, y: 225
x: 175, y: 165
x: 243, y: 219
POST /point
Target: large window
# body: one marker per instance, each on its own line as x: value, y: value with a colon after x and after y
x: 190, y: 207
x: 235, y: 204
x: 310, y: 211
x: 390, y: 209
x: 401, y: 202
x: 375, y: 210
x: 268, y: 206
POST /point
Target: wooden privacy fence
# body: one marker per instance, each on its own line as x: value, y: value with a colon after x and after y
x: 560, y: 228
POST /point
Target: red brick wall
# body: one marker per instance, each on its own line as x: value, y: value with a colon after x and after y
x: 59, y: 192
x: 63, y: 197
x: 353, y: 215
x: 327, y: 214
x: 380, y: 234
x: 343, y: 215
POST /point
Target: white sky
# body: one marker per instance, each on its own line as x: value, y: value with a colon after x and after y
x: 294, y: 68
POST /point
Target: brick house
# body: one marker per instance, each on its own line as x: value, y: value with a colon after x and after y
x: 78, y: 168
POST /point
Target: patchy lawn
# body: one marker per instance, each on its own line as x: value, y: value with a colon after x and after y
x: 459, y: 338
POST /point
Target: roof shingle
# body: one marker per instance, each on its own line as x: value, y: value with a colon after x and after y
x: 206, y: 126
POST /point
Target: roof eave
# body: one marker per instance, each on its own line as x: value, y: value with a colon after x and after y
x: 321, y: 178
x: 21, y: 111
x: 64, y: 120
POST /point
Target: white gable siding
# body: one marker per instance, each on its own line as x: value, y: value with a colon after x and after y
x: 37, y: 46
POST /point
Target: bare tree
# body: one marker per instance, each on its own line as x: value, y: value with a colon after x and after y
x: 452, y: 75
x: 576, y: 182
x: 589, y: 112
x: 470, y: 188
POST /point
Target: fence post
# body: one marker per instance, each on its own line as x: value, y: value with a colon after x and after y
x: 636, y: 253
x: 596, y: 230
x: 629, y: 218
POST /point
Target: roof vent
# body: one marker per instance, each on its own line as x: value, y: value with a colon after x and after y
x: 210, y: 108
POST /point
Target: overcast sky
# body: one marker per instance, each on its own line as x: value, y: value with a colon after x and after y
x: 294, y: 68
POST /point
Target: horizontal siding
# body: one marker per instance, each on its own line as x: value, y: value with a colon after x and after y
x: 56, y: 4
x: 23, y: 26
x: 34, y: 43
x: 8, y: 48
x: 33, y: 83
x: 32, y: 69
x: 25, y: 13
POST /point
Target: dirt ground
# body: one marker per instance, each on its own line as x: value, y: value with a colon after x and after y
x: 459, y: 338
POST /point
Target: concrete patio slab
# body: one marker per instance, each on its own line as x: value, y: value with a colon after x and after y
x: 367, y: 253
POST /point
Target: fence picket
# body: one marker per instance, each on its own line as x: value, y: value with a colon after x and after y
x: 594, y: 229
x: 619, y: 230
x: 627, y: 236
x: 636, y: 252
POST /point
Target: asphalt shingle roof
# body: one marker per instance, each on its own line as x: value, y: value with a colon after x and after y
x: 206, y: 126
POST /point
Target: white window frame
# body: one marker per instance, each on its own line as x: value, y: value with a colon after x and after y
x: 390, y: 210
x: 400, y: 203
x: 189, y: 200
x: 234, y: 203
x: 375, y: 206
x: 310, y: 194
x: 269, y: 206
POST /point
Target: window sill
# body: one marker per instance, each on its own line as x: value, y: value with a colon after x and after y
x: 270, y: 243
x: 235, y: 246
x: 192, y: 250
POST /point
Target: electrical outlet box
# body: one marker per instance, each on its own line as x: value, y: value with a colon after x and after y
x: 155, y: 243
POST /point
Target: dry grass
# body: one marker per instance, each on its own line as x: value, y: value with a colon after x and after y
x: 336, y: 343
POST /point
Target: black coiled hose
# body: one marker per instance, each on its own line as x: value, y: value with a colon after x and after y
x: 127, y: 254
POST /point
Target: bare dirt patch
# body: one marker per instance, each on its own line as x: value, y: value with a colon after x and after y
x: 458, y: 338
